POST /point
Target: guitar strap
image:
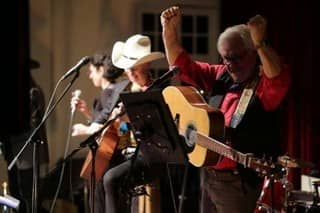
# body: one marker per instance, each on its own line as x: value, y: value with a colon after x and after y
x: 245, y: 98
x: 220, y: 89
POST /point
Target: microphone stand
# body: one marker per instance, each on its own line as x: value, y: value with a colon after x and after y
x: 35, y: 187
x: 93, y: 145
x: 163, y: 78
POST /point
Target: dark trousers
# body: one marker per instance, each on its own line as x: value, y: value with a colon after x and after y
x: 228, y: 191
x: 104, y: 194
x: 119, y: 182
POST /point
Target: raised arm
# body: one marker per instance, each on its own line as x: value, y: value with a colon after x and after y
x: 170, y: 20
x: 268, y: 57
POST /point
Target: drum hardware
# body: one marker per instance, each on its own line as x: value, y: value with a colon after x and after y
x: 289, y: 162
x: 278, y: 195
x: 304, y: 201
x: 316, y: 199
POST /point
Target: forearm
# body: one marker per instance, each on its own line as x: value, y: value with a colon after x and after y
x: 172, y: 45
x: 81, y: 129
x: 88, y: 114
x: 170, y: 20
x: 268, y: 57
x: 270, y: 61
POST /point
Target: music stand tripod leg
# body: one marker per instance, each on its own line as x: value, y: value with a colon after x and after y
x: 184, y: 183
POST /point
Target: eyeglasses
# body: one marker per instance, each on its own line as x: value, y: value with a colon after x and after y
x: 234, y: 58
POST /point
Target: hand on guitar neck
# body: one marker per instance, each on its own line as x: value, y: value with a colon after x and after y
x: 118, y: 114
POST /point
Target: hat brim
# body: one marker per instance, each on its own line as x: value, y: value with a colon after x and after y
x: 119, y: 60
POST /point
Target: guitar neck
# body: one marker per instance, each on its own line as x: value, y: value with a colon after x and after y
x: 222, y: 149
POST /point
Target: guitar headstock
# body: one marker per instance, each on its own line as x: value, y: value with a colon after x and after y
x: 266, y: 167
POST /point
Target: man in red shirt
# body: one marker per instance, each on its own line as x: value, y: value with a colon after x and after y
x: 228, y: 186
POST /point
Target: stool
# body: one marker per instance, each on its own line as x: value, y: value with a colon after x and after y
x: 147, y: 199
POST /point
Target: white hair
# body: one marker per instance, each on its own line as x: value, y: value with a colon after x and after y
x: 240, y: 30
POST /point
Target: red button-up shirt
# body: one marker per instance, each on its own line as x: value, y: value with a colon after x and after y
x: 270, y: 91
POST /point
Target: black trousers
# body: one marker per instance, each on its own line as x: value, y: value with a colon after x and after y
x: 228, y: 191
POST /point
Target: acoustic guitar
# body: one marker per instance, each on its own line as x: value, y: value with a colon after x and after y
x: 202, y: 127
x: 107, y: 143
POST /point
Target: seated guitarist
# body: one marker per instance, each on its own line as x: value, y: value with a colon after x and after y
x: 135, y: 57
x: 103, y: 75
x: 112, y: 81
x: 253, y: 124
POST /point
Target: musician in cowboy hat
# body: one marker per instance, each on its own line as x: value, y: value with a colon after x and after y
x: 135, y: 57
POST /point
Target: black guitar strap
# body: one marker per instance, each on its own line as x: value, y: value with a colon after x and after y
x: 220, y: 89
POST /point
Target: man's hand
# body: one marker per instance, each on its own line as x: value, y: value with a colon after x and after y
x: 80, y: 105
x: 258, y: 27
x: 170, y: 20
x: 171, y: 17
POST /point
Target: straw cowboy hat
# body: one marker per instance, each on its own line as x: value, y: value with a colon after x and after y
x: 136, y: 50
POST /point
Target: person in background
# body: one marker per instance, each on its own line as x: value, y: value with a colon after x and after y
x: 112, y: 82
x: 21, y: 174
x: 246, y: 60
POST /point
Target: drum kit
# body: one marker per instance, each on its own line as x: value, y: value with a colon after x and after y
x: 278, y: 196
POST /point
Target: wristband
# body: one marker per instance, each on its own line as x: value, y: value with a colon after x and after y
x: 262, y: 44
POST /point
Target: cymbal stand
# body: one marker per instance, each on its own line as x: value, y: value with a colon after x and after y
x: 287, y: 188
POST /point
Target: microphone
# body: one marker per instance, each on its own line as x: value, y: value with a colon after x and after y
x: 81, y: 63
x: 165, y: 77
x: 77, y: 94
x: 9, y: 201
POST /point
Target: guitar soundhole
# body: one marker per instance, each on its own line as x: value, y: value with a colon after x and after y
x: 190, y: 137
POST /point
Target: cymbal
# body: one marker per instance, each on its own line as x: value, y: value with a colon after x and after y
x: 289, y: 162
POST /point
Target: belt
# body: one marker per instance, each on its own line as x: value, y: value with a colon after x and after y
x: 224, y: 172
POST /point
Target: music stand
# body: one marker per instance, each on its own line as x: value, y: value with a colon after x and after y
x: 155, y: 130
x: 153, y: 127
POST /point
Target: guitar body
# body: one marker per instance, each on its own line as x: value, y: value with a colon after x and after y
x: 187, y: 104
x: 107, y: 144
